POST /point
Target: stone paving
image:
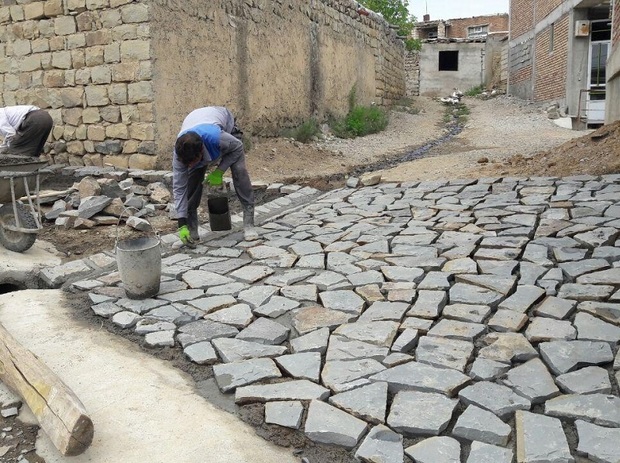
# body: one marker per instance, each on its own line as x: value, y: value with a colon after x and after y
x: 448, y: 321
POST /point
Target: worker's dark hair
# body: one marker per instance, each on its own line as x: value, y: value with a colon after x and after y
x: 188, y: 147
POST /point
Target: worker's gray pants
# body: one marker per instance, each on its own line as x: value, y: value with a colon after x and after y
x: 31, y: 134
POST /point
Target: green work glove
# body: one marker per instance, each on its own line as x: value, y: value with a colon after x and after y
x: 215, y: 178
x: 184, y: 235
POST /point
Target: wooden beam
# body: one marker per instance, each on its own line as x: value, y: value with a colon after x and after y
x: 58, y: 410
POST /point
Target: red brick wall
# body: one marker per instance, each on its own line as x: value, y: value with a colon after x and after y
x: 496, y: 23
x: 522, y: 17
x: 544, y: 7
x: 521, y: 75
x: 616, y: 26
x: 550, y: 73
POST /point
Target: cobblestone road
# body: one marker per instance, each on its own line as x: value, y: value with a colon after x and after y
x: 479, y: 318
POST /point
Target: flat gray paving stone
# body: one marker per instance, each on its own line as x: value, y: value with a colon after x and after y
x: 381, y: 445
x: 148, y: 325
x: 381, y: 333
x: 485, y: 369
x: 453, y: 329
x: 264, y: 331
x: 204, y: 330
x: 500, y: 400
x: 597, y: 443
x: 230, y: 288
x: 568, y: 254
x: 428, y: 304
x: 305, y: 365
x: 575, y: 269
x: 106, y: 309
x: 435, y: 450
x: 233, y: 350
x: 588, y: 380
x: 523, y: 298
x: 238, y: 315
x: 300, y: 292
x: 532, y: 380
x: 342, y: 348
x: 460, y: 266
x: 225, y: 266
x: 590, y: 328
x: 396, y: 358
x: 600, y: 409
x: 497, y: 253
x: 276, y: 306
x: 602, y: 236
x: 498, y: 267
x: 507, y: 320
x: 466, y: 312
x: 252, y: 273
x: 555, y: 307
x: 548, y: 329
x: 201, y: 353
x: 328, y: 425
x: 476, y: 424
x: 476, y: 295
x: 167, y: 313
x: 541, y: 439
x: 213, y: 303
x: 397, y: 273
x: 368, y: 403
x: 265, y: 252
x: 608, y: 311
x: 339, y: 372
x: 530, y: 273
x: 507, y: 347
x: 566, y: 356
x: 290, y: 390
x: 421, y: 377
x: 406, y: 341
x: 257, y: 295
x: 312, y: 261
x: 485, y: 453
x: 230, y: 376
x: 140, y: 306
x: 316, y: 341
x: 603, y: 277
x: 327, y: 280
x: 366, y: 278
x: 125, y: 319
x: 202, y: 279
x: 496, y: 283
x: 160, y: 339
x: 583, y: 292
x: 384, y: 310
x: 436, y: 281
x: 449, y: 353
x: 343, y: 301
x: 285, y: 413
x: 308, y: 319
x: 305, y: 248
x: 433, y: 413
x: 289, y: 277
x: 415, y: 323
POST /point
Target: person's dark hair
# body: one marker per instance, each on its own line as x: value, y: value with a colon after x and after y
x: 188, y: 147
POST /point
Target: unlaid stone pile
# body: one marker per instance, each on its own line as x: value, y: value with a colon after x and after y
x: 424, y: 320
x: 103, y: 195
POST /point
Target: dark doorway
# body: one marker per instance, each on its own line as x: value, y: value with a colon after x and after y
x: 448, y: 60
x: 8, y: 288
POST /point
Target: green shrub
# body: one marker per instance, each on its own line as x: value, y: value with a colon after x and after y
x: 362, y: 120
x: 475, y: 91
x: 413, y: 44
x: 305, y: 132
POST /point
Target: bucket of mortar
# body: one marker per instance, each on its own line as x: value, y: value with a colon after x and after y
x: 219, y: 212
x: 139, y: 265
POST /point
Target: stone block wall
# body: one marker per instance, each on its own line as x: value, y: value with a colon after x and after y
x: 412, y: 69
x: 119, y: 76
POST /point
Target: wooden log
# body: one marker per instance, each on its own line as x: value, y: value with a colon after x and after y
x: 58, y: 410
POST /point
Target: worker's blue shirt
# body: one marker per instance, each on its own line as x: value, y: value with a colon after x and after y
x: 210, y: 135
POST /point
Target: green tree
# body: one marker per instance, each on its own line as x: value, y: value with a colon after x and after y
x: 395, y: 12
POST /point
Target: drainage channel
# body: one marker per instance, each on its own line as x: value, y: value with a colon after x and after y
x: 454, y: 127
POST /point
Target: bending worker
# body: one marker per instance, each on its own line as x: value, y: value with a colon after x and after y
x: 205, y: 140
x: 25, y: 130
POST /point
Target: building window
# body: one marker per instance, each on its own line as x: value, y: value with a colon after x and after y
x: 551, y: 37
x: 448, y: 60
x: 477, y: 31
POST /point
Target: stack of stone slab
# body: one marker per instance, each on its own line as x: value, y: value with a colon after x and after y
x: 478, y: 319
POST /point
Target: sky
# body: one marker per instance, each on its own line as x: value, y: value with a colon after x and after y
x: 450, y: 9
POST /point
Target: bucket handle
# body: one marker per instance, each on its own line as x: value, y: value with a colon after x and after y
x: 127, y: 209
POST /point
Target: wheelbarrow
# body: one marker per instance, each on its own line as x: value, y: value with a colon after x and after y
x: 19, y: 222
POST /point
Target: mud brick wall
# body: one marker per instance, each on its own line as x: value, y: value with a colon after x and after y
x: 459, y: 27
x: 119, y: 76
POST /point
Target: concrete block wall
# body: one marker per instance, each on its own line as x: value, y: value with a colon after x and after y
x: 118, y: 76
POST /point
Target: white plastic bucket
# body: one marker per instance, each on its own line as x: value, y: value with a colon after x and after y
x: 139, y: 265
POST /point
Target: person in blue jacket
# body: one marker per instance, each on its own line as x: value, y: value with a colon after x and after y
x: 206, y: 140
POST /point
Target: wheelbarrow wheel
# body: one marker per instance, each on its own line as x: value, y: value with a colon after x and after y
x: 14, y: 240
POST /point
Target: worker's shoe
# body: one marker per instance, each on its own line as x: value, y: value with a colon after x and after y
x: 192, y: 224
x: 249, y: 230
